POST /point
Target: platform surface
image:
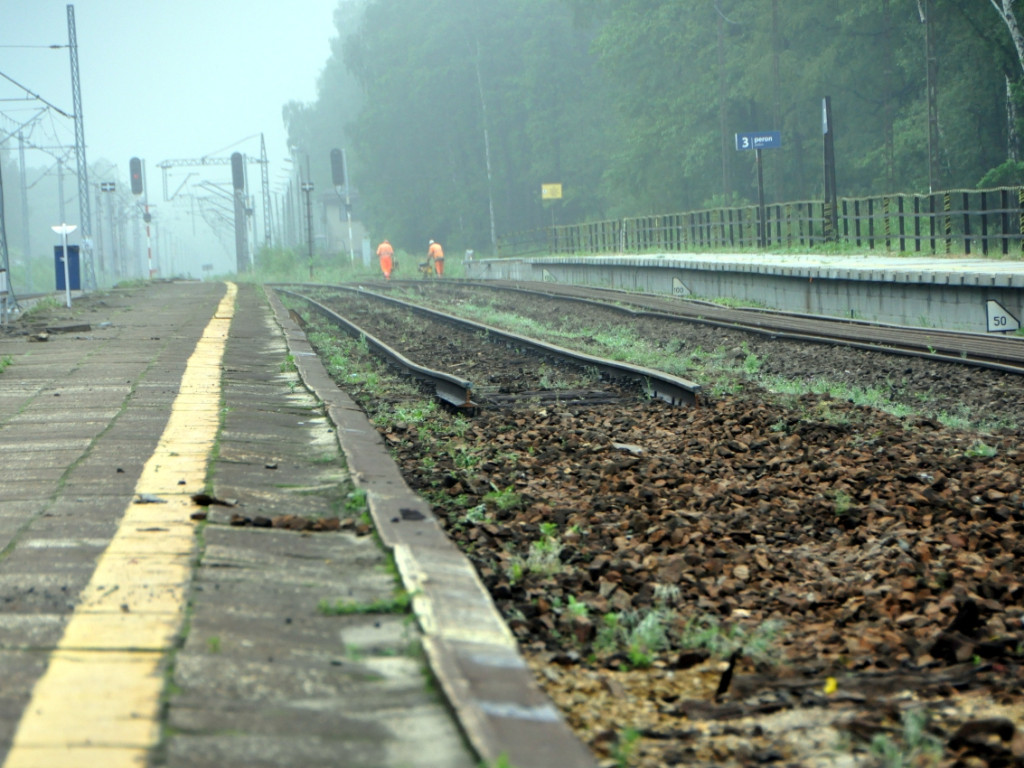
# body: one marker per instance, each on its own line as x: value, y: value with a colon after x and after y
x: 156, y: 608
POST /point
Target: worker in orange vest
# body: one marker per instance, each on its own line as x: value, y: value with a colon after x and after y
x: 436, y: 255
x: 386, y: 255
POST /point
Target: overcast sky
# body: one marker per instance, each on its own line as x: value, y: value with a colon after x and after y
x: 164, y: 79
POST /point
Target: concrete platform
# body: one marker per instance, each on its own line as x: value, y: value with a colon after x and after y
x: 978, y: 295
x: 243, y: 670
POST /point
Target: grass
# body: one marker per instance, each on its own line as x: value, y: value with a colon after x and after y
x: 871, y: 397
x: 501, y: 761
x: 959, y: 420
x: 980, y: 450
x: 708, y: 632
x: 356, y: 500
x: 647, y: 636
x: 577, y: 608
x: 842, y: 500
x: 624, y: 748
x: 543, y: 556
x: 42, y: 305
x: 915, y: 747
x: 722, y: 372
x: 638, y: 634
x: 478, y: 515
x: 399, y: 603
x: 503, y: 498
x: 5, y: 361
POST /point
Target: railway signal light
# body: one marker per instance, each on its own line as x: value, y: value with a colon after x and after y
x: 237, y: 171
x: 135, y: 171
x: 337, y: 168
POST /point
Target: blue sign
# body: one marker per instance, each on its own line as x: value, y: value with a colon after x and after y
x: 762, y: 140
x: 74, y: 273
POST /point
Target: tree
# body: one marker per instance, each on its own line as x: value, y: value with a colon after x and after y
x: 1013, y: 88
x: 456, y: 111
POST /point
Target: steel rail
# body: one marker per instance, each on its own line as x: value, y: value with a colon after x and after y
x: 672, y: 389
x: 962, y: 348
x: 453, y: 390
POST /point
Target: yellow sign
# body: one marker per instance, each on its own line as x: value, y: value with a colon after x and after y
x: 550, y: 191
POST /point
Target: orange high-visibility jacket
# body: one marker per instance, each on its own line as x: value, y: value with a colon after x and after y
x: 435, y: 252
x: 385, y: 249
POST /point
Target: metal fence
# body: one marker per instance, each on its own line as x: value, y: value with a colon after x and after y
x: 973, y: 222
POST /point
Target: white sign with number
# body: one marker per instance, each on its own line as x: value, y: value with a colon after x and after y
x: 999, y: 320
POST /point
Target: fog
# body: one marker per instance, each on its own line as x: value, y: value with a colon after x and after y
x: 160, y: 81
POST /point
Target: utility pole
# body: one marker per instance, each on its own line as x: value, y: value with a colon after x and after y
x: 60, y: 190
x: 5, y: 263
x: 265, y: 178
x: 238, y: 183
x: 110, y: 186
x: 339, y: 177
x: 932, y: 88
x: 99, y: 229
x: 83, y: 170
x: 26, y: 240
x: 487, y: 149
x: 831, y: 196
x: 307, y: 187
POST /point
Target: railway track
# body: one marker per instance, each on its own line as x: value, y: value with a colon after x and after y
x: 1003, y: 353
x: 386, y: 336
x: 759, y: 581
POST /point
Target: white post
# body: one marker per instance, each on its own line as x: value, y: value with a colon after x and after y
x: 3, y: 297
x: 64, y: 230
x: 348, y: 212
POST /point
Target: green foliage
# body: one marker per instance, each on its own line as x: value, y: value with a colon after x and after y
x: 980, y: 450
x: 639, y: 634
x: 577, y: 608
x: 41, y: 305
x: 548, y: 530
x: 478, y: 515
x: 487, y: 101
x: 842, y: 502
x: 623, y: 750
x: 707, y: 632
x: 503, y: 499
x: 502, y: 761
x: 647, y: 635
x: 914, y: 747
x: 397, y: 604
x: 5, y: 361
x: 1007, y: 174
x: 356, y: 500
x: 751, y: 364
x: 543, y: 556
x: 608, y: 634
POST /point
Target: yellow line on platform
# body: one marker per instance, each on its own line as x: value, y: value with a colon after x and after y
x: 98, y: 703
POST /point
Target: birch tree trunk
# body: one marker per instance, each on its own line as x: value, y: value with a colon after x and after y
x: 1012, y: 136
x: 1005, y: 10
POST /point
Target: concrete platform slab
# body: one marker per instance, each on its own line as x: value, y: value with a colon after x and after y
x: 938, y: 292
x: 264, y: 673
